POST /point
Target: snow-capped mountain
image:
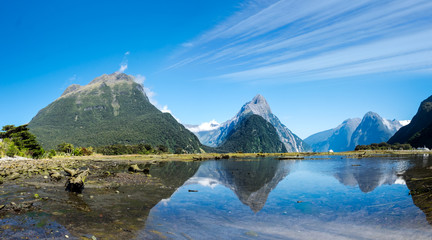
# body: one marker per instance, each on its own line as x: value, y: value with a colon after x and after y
x: 355, y: 131
x: 337, y: 139
x: 374, y: 129
x: 258, y: 106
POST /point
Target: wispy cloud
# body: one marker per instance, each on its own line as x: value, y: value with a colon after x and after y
x: 297, y: 40
x: 124, y: 63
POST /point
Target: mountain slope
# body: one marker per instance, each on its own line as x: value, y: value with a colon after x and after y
x: 418, y: 132
x: 253, y: 134
x: 258, y: 106
x: 112, y: 109
x: 337, y: 139
x: 373, y: 129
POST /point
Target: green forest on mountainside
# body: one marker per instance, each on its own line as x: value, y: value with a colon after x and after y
x: 106, y: 114
x: 253, y: 134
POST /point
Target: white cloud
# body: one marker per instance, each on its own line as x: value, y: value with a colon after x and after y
x: 124, y: 63
x: 206, y: 126
x: 165, y: 109
x: 297, y: 40
x: 140, y: 79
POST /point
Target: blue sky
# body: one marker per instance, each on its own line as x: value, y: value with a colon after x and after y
x: 316, y: 62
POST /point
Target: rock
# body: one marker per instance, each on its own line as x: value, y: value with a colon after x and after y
x: 14, y: 176
x: 76, y: 182
x: 56, y: 176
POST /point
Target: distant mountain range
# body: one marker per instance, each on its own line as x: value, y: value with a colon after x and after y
x: 111, y: 109
x: 352, y: 132
x: 114, y: 109
x: 418, y: 132
x: 215, y: 135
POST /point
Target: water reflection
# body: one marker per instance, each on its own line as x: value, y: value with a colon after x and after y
x: 370, y: 174
x: 258, y: 198
x: 251, y: 181
x: 328, y: 199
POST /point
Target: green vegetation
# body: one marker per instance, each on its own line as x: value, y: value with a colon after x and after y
x: 107, y: 113
x: 70, y: 150
x: 119, y: 149
x: 384, y: 146
x: 18, y: 141
x: 253, y: 134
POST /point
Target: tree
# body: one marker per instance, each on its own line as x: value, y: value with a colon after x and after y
x: 65, y: 148
x: 24, y: 142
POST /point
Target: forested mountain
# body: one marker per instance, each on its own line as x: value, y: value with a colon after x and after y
x: 111, y: 109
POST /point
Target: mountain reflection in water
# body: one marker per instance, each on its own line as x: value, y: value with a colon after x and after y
x: 328, y: 198
x: 251, y: 181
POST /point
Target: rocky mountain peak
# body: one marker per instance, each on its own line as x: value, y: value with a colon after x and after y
x: 258, y: 106
x: 72, y: 88
x: 371, y: 115
x: 113, y: 78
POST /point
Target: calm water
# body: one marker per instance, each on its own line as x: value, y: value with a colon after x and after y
x: 314, y: 198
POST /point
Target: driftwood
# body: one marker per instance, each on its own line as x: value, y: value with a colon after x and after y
x: 135, y: 168
x: 70, y: 172
x: 75, y: 183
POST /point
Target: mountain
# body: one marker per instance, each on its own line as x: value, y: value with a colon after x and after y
x: 253, y: 134
x: 373, y: 129
x: 355, y: 131
x: 418, y: 132
x: 258, y: 106
x: 111, y: 109
x: 337, y: 139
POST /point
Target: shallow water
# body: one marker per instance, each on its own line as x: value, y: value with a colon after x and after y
x: 263, y: 198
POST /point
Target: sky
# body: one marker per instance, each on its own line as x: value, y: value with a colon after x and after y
x: 316, y: 62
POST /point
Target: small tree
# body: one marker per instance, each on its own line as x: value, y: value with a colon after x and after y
x: 65, y: 148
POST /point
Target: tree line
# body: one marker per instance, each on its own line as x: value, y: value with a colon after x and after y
x: 384, y: 146
x: 19, y: 141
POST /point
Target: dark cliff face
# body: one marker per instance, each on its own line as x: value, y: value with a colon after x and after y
x: 419, y: 132
x: 112, y: 109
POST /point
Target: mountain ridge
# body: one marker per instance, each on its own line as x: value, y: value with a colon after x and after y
x: 418, y: 132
